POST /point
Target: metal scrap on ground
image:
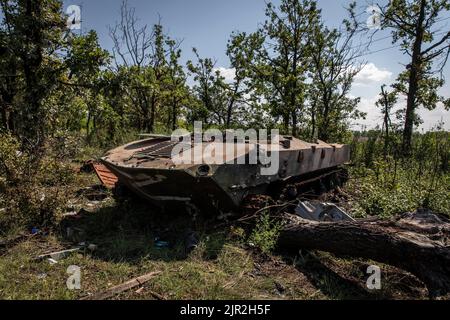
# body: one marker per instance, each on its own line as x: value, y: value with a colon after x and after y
x: 319, y: 211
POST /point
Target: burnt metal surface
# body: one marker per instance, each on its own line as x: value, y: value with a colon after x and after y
x: 146, y: 168
x: 107, y: 178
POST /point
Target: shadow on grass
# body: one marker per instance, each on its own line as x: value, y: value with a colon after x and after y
x: 132, y: 230
x: 330, y: 282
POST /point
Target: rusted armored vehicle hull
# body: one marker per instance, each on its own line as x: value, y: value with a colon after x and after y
x: 147, y: 168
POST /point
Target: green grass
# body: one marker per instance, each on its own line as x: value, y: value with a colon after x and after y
x: 387, y: 191
x: 223, y: 266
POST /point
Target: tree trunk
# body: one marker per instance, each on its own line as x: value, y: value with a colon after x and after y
x: 174, y: 115
x: 34, y: 125
x: 414, y: 74
x: 88, y: 124
x: 416, y: 242
x: 294, y: 124
x: 313, y: 121
x: 324, y: 129
x: 229, y: 112
x: 286, y: 122
x: 386, y: 122
x: 151, y: 123
x: 231, y: 103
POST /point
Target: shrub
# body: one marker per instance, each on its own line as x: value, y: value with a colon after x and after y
x: 392, y: 188
x: 265, y: 234
x: 32, y: 193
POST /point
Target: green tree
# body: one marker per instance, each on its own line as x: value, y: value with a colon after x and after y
x: 415, y: 25
x: 177, y: 92
x: 33, y: 33
x: 85, y: 60
x: 209, y: 89
x: 279, y: 59
x: 386, y: 103
x: 334, y: 64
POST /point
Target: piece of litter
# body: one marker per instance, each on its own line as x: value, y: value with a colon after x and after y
x: 92, y: 247
x: 71, y: 214
x: 139, y: 291
x: 57, y: 255
x: 52, y: 261
x: 160, y: 243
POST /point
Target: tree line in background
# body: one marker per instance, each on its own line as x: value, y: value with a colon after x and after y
x: 293, y: 73
x: 64, y: 99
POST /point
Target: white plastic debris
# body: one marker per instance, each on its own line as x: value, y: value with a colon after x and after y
x: 57, y: 255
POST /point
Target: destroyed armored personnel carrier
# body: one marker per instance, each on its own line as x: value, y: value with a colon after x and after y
x: 147, y: 168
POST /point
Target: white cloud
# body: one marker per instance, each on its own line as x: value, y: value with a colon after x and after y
x: 432, y: 118
x: 371, y: 74
x: 374, y: 116
x: 228, y: 73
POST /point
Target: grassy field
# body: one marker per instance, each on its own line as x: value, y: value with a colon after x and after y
x: 225, y: 264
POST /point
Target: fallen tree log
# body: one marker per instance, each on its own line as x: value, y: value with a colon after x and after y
x: 416, y: 242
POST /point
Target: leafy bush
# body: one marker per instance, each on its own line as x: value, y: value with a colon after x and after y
x: 32, y: 192
x: 391, y: 184
x: 265, y: 234
x: 394, y: 187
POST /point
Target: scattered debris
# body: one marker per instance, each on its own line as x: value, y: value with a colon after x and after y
x: 52, y: 261
x: 157, y: 295
x: 4, y: 244
x: 58, y: 255
x: 139, y: 291
x: 34, y: 230
x: 139, y: 281
x: 71, y: 214
x: 318, y: 211
x: 160, y: 243
x: 94, y: 193
x: 41, y: 275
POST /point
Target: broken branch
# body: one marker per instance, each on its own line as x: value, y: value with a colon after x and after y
x: 122, y: 287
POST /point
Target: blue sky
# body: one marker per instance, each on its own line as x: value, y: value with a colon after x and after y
x: 207, y: 25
